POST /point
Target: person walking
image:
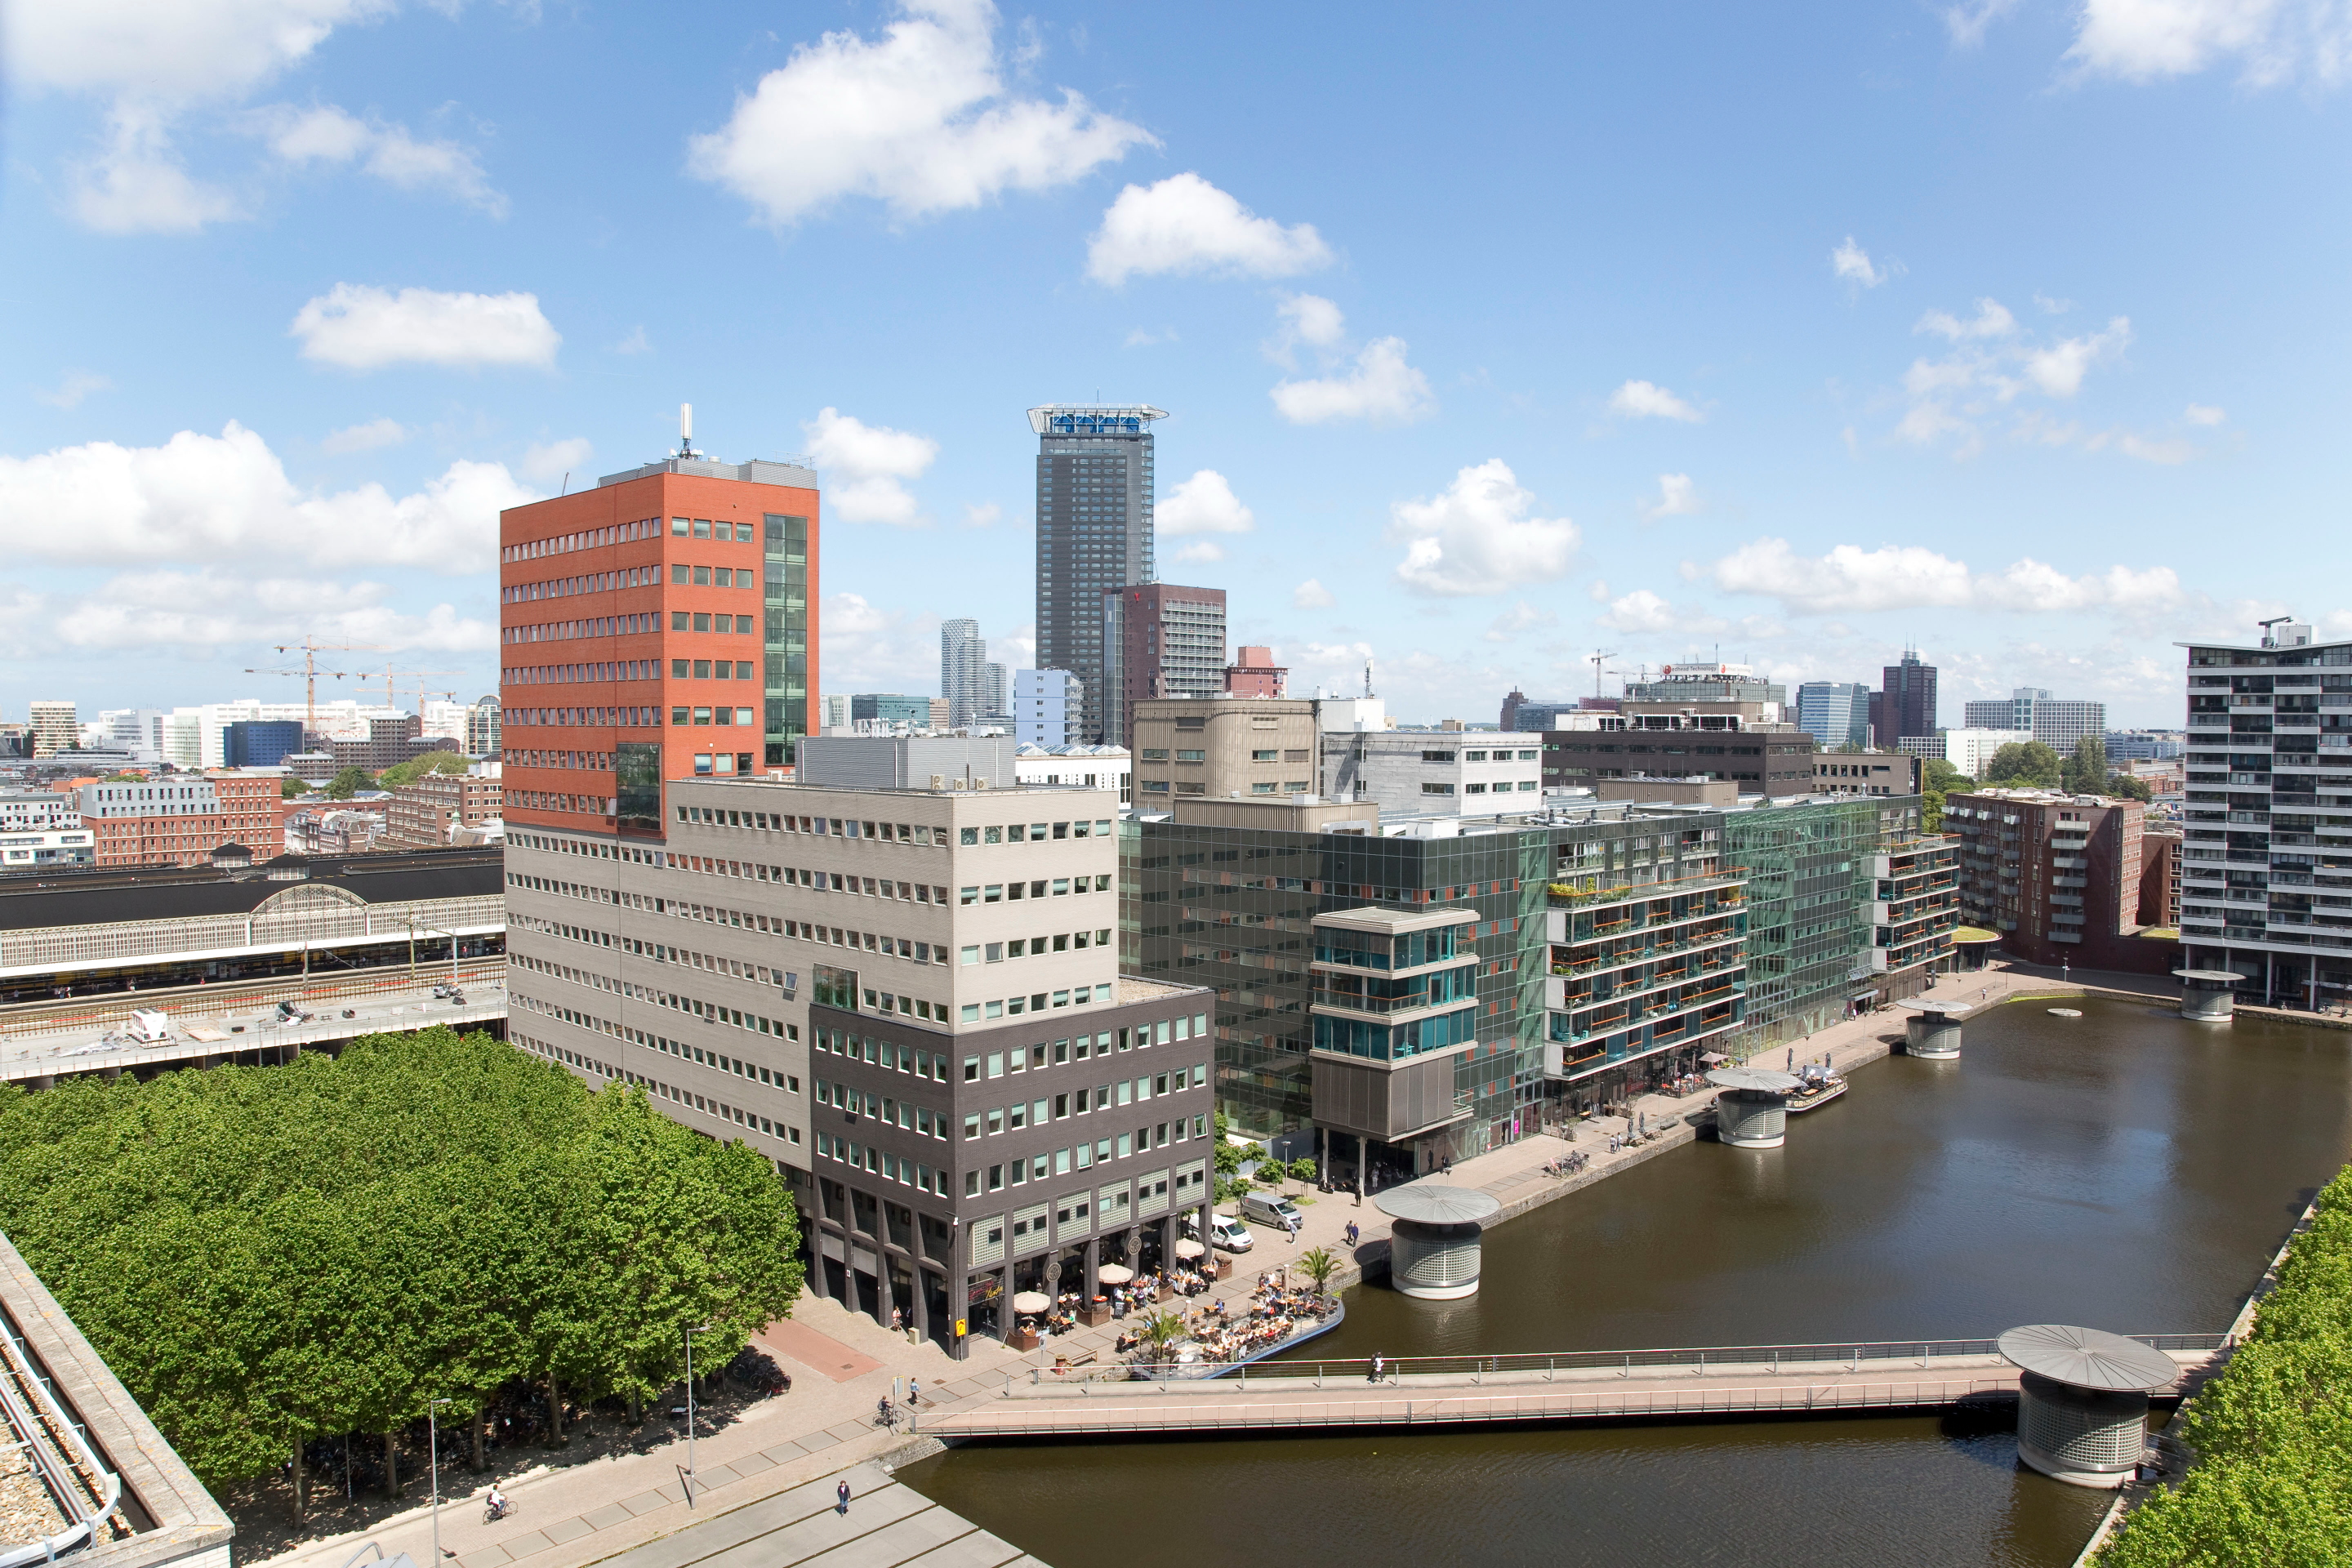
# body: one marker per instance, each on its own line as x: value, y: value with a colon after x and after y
x: 1375, y: 1376
x: 914, y: 1391
x: 841, y: 1497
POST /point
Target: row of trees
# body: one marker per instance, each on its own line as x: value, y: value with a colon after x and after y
x: 270, y: 1254
x: 2033, y: 763
x: 2272, y: 1482
x: 349, y: 781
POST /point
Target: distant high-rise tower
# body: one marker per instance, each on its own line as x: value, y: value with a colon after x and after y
x: 1906, y: 704
x: 1834, y: 713
x: 963, y: 669
x: 1094, y: 534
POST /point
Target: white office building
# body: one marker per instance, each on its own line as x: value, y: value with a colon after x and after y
x: 1971, y: 751
x: 1434, y: 770
x: 2056, y: 723
x: 1047, y: 705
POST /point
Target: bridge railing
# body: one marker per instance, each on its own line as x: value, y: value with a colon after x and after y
x: 1853, y: 1353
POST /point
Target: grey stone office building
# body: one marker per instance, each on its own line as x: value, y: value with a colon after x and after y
x: 911, y: 1001
x: 1095, y: 493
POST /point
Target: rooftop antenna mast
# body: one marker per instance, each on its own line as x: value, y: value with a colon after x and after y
x: 686, y: 429
x: 1368, y: 677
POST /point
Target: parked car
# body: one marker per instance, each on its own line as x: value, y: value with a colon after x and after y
x: 1230, y: 1233
x: 1272, y: 1209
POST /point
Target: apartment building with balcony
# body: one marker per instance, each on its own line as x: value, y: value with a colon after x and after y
x: 1915, y: 905
x: 1394, y: 1004
x: 910, y: 999
x: 1638, y: 970
x: 2266, y: 856
x: 2058, y: 876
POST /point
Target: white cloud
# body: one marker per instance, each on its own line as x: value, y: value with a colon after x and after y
x: 1478, y: 537
x: 867, y: 463
x: 205, y: 498
x: 1966, y: 22
x: 77, y: 385
x: 1677, y: 497
x: 637, y: 343
x: 1204, y: 503
x: 1184, y: 223
x: 136, y: 184
x: 1521, y: 617
x: 982, y: 514
x: 1645, y: 400
x: 1310, y: 319
x: 1312, y: 595
x: 2059, y: 369
x: 364, y: 327
x: 205, y: 610
x: 919, y: 120
x: 1851, y: 263
x: 2273, y: 40
x: 170, y: 49
x: 1853, y: 581
x: 2204, y: 414
x: 549, y: 462
x: 1383, y: 388
x: 1139, y: 338
x: 1993, y: 363
x: 367, y: 437
x: 326, y: 134
x: 1992, y: 319
x: 1642, y: 611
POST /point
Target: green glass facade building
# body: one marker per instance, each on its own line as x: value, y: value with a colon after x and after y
x: 1228, y: 897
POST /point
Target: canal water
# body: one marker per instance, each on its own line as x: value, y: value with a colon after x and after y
x: 2124, y: 1169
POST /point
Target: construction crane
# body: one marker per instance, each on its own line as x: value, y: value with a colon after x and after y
x: 311, y: 648
x: 392, y: 698
x: 1596, y: 661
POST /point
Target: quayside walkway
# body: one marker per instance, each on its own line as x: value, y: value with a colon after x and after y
x: 1576, y: 1386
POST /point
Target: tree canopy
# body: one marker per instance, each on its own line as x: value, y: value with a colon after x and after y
x: 2026, y: 763
x: 265, y: 1255
x: 349, y: 783
x: 2271, y: 1481
x: 2085, y: 771
x: 418, y: 767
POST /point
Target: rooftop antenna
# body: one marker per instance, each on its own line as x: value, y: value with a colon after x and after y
x: 1368, y: 677
x: 686, y: 429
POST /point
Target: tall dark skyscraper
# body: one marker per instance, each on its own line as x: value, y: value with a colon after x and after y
x: 1906, y: 705
x: 1094, y: 532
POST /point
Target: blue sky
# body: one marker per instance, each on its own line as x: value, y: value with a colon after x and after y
x: 1492, y: 338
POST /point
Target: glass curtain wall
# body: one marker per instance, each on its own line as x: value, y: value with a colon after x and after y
x: 784, y: 582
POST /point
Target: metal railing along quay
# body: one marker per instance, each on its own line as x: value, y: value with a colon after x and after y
x: 1855, y: 1356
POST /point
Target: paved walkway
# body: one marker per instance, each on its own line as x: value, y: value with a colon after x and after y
x: 884, y: 1525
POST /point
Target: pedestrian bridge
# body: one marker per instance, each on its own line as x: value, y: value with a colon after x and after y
x: 1470, y: 1390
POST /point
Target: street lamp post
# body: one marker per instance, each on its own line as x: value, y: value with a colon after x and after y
x: 432, y: 1427
x: 691, y: 1475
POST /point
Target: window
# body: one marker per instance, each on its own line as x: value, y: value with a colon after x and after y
x: 1262, y: 788
x: 1436, y: 788
x: 1436, y: 756
x: 677, y: 572
x: 1473, y: 756
x: 1155, y: 753
x: 1185, y: 756
x: 1260, y: 756
x: 678, y: 620
x: 701, y: 623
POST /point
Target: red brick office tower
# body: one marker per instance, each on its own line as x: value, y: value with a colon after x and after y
x: 662, y: 624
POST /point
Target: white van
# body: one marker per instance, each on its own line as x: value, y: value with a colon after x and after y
x: 1272, y: 1209
x: 1229, y: 1233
